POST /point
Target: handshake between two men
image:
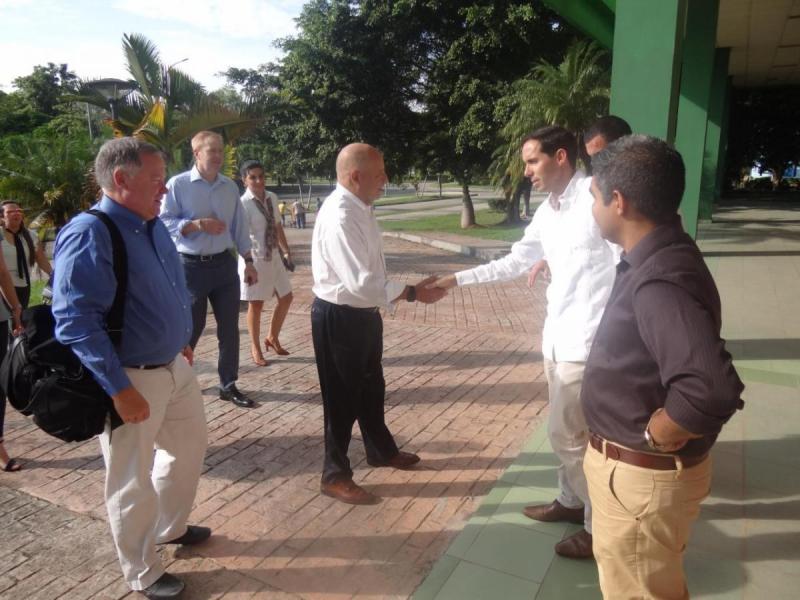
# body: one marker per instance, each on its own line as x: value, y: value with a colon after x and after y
x: 429, y: 290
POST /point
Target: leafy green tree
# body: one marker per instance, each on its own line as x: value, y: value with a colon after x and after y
x: 45, y: 88
x: 765, y: 131
x: 477, y: 49
x: 572, y: 94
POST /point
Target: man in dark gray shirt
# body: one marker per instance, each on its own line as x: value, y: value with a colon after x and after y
x: 659, y: 384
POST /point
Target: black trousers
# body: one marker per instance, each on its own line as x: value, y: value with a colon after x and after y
x: 348, y: 346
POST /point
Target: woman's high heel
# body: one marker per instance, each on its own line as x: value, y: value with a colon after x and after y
x: 276, y: 346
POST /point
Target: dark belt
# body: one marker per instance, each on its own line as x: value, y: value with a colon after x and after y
x: 665, y: 462
x: 149, y: 367
x: 369, y: 309
x: 204, y: 257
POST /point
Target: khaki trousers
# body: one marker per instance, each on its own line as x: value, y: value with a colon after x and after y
x: 568, y: 433
x: 152, y: 469
x: 642, y: 520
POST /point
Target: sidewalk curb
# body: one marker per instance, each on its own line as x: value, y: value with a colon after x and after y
x: 482, y: 253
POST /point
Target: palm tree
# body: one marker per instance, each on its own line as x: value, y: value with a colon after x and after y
x: 572, y: 94
x: 167, y: 107
x: 46, y: 174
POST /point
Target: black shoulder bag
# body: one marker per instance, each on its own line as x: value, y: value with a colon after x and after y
x: 44, y: 379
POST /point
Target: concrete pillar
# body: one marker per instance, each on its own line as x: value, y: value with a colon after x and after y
x: 648, y: 38
x: 695, y: 91
x: 713, y: 160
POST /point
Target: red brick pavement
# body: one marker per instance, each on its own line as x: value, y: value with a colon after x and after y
x: 464, y: 389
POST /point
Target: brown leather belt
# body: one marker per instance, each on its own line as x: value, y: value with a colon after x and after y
x: 665, y: 462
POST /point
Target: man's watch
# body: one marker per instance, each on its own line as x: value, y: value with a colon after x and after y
x: 650, y: 441
x: 411, y: 295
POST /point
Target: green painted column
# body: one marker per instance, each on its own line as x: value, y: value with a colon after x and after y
x: 695, y: 91
x: 713, y: 158
x: 648, y: 38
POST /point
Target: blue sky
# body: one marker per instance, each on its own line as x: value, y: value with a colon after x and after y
x: 87, y: 34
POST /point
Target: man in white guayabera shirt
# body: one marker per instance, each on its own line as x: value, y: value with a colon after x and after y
x: 581, y: 263
x: 351, y: 285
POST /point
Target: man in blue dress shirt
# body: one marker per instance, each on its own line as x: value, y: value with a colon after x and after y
x: 206, y: 220
x: 149, y: 376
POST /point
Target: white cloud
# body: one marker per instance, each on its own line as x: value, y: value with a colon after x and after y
x: 87, y: 35
x: 233, y: 18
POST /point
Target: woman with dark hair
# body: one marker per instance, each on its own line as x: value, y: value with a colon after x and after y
x: 20, y: 252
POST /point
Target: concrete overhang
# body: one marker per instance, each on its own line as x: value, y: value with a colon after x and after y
x: 763, y: 35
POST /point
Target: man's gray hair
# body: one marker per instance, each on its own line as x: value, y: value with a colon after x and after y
x: 124, y: 153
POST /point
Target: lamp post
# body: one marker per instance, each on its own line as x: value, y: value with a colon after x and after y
x: 114, y: 91
x: 167, y: 76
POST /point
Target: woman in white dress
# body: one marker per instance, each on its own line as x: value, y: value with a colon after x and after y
x: 269, y: 241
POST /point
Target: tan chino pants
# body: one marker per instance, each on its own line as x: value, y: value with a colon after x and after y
x: 641, y: 523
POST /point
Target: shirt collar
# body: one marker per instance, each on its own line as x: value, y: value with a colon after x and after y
x: 248, y: 195
x: 351, y: 197
x: 115, y: 209
x: 194, y: 175
x: 660, y: 237
x: 564, y: 199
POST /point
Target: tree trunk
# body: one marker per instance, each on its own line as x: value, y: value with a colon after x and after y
x: 467, y: 209
x: 526, y: 196
x: 512, y: 206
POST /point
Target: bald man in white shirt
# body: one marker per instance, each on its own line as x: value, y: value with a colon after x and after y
x: 564, y: 232
x: 351, y: 285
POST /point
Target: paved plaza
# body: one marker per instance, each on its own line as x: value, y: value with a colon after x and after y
x: 465, y: 389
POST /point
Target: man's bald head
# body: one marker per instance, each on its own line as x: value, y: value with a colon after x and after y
x: 360, y: 169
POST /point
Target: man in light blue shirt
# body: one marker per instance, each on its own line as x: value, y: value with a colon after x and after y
x: 149, y: 375
x: 206, y: 221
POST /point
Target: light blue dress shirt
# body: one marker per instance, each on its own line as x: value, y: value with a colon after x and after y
x: 157, y: 319
x: 190, y: 197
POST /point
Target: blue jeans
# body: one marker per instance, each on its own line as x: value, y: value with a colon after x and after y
x: 216, y: 281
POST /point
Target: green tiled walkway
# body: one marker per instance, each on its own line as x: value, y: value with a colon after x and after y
x: 746, y: 544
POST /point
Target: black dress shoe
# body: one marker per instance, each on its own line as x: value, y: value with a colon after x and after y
x: 166, y: 586
x: 232, y: 394
x: 195, y: 534
x: 402, y: 460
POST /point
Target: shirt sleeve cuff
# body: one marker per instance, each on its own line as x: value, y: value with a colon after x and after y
x: 393, y: 290
x: 114, y: 382
x: 183, y: 223
x: 687, y: 416
x: 466, y: 278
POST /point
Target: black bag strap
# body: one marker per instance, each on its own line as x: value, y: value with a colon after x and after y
x: 115, y: 316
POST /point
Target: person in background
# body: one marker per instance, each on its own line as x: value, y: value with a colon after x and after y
x: 268, y: 241
x: 20, y: 252
x: 204, y: 216
x: 299, y: 212
x: 282, y: 211
x: 10, y: 296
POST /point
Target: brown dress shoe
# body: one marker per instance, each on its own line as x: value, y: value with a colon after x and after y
x: 345, y: 490
x: 401, y: 460
x: 578, y: 545
x: 554, y: 512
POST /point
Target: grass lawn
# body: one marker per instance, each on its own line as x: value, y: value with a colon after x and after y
x: 409, y: 199
x: 489, y: 226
